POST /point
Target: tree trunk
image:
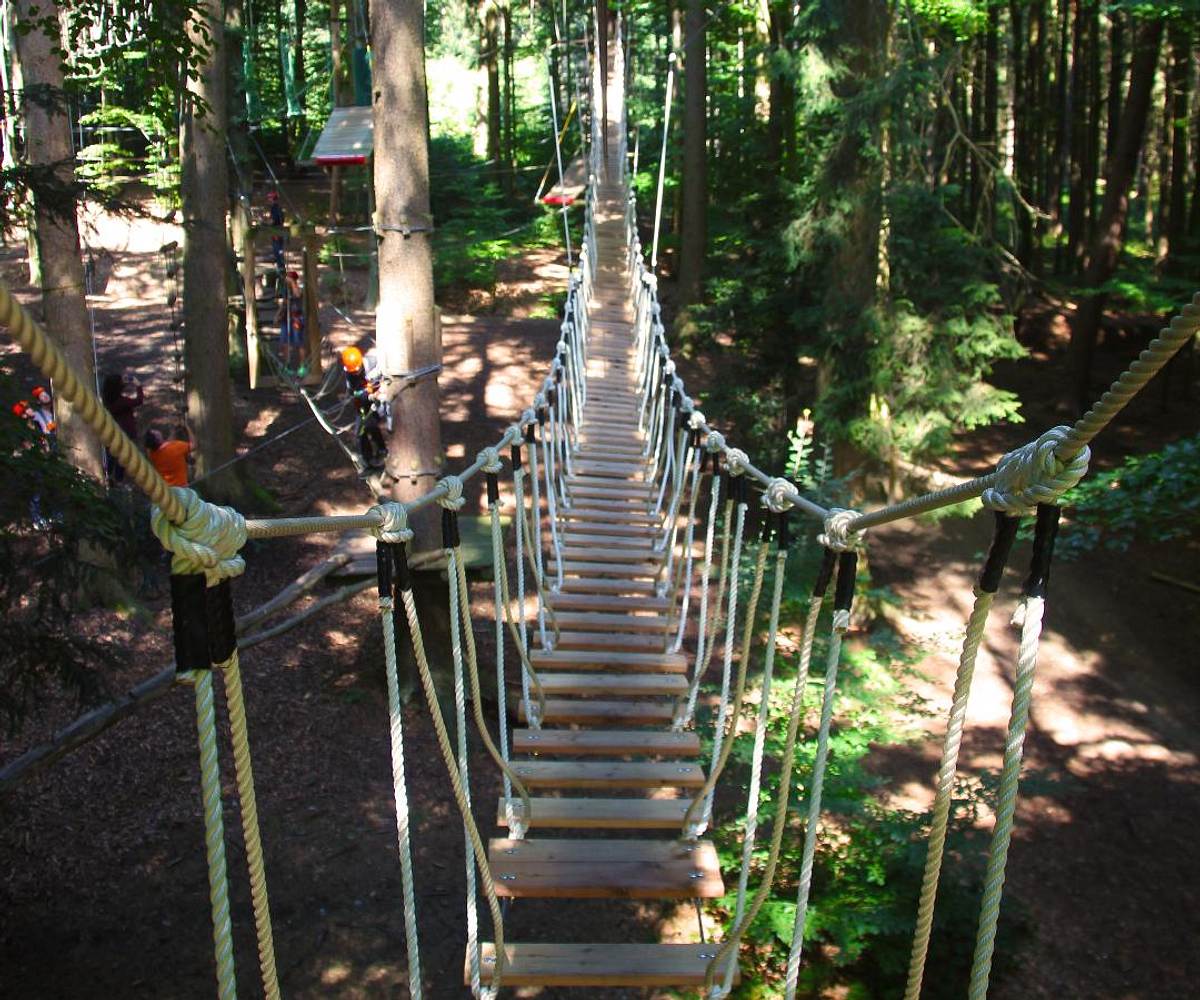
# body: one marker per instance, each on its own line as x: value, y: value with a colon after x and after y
x: 510, y: 109
x: 204, y: 184
x: 406, y: 326
x: 301, y: 72
x: 693, y: 234
x: 48, y: 147
x: 1062, y: 108
x: 1080, y: 101
x: 1178, y: 80
x: 1122, y: 163
x: 853, y: 179
x: 489, y: 44
x: 1116, y: 76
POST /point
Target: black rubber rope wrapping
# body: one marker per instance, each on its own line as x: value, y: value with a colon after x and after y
x: 847, y: 569
x: 450, y: 538
x: 189, y: 622
x: 1044, y: 532
x: 222, y: 632
x: 1003, y: 534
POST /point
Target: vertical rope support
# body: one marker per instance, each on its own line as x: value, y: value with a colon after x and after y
x: 475, y: 848
x: 232, y: 676
x: 1010, y: 775
x: 535, y: 533
x: 214, y: 833
x: 722, y: 742
x: 847, y: 565
x: 1029, y: 613
x: 686, y: 561
x: 759, y: 752
x: 726, y: 955
x: 501, y: 682
x: 519, y: 545
x: 707, y: 639
x: 985, y: 593
x: 387, y: 566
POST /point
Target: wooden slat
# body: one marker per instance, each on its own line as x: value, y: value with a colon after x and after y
x: 610, y: 742
x: 608, y: 641
x: 583, y: 871
x: 592, y: 711
x: 581, y: 659
x: 598, y: 585
x: 631, y: 965
x: 602, y: 622
x: 645, y: 536
x: 602, y: 814
x: 614, y: 684
x: 608, y: 774
x: 586, y: 510
x: 606, y: 602
x: 631, y: 571
x: 626, y: 551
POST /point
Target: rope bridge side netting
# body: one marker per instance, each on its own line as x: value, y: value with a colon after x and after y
x: 717, y: 520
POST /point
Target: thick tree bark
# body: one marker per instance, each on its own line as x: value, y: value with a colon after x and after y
x: 694, y: 237
x: 49, y: 151
x: 406, y: 326
x: 853, y: 185
x: 510, y: 108
x: 489, y: 44
x: 1122, y: 163
x: 1079, y: 117
x: 694, y: 220
x: 301, y: 71
x: 204, y: 184
x: 1179, y: 81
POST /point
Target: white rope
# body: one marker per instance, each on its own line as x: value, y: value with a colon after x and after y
x: 1031, y: 610
x: 758, y: 753
x: 535, y: 540
x: 1034, y: 474
x: 841, y: 622
x: 395, y: 530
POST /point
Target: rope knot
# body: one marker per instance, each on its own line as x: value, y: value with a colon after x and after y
x: 453, y: 498
x: 393, y: 523
x: 737, y: 461
x: 1033, y: 474
x: 777, y: 497
x: 669, y: 368
x: 686, y: 404
x: 209, y: 540
x: 539, y: 401
x: 696, y: 421
x: 490, y: 459
x: 527, y: 417
x: 837, y: 534
x: 715, y: 441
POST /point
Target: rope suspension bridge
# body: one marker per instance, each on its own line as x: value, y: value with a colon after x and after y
x: 631, y: 534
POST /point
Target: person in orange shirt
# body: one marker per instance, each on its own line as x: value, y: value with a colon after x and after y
x: 170, y: 458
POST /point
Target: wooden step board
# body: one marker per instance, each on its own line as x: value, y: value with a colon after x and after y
x: 633, y: 551
x: 619, y: 685
x: 626, y: 571
x: 600, y: 585
x: 597, y: 622
x: 643, y: 642
x: 631, y: 965
x: 607, y: 603
x: 600, y: 814
x: 605, y: 742
x: 607, y: 774
x: 589, y: 711
x: 583, y: 659
x: 587, y: 512
x: 605, y: 869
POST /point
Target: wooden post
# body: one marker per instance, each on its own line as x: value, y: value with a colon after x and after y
x: 312, y: 307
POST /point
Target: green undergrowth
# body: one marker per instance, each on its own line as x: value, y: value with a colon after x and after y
x: 477, y: 227
x: 871, y: 851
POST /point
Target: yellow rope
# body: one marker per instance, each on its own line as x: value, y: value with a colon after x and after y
x: 214, y: 832
x: 456, y: 782
x: 464, y: 607
x: 232, y: 676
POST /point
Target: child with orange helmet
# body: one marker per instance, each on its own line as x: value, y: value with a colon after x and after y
x: 362, y: 381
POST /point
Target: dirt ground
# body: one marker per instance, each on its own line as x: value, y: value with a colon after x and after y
x: 102, y: 878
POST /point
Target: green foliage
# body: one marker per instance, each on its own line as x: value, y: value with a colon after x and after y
x: 1149, y: 498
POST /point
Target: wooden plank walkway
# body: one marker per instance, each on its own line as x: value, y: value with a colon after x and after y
x: 610, y: 779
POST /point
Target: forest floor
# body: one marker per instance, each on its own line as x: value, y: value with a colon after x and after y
x: 103, y: 882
